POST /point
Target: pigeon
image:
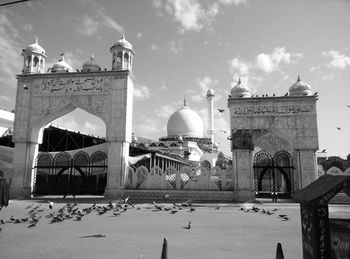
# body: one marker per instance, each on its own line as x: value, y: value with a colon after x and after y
x: 323, y: 151
x: 78, y: 70
x: 221, y: 110
x: 97, y: 235
x: 157, y: 206
x: 189, y: 225
x: 217, y: 207
x: 192, y: 209
x: 51, y: 205
x: 348, y: 106
x: 274, y: 95
x: 173, y: 211
x: 32, y: 225
x: 286, y: 94
x: 241, y: 95
x: 105, y: 69
x: 338, y: 128
x: 116, y: 213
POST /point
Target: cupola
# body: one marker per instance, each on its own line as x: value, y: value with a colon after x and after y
x: 300, y: 88
x: 33, y: 59
x: 122, y: 55
x: 61, y: 66
x: 91, y: 65
x: 240, y: 90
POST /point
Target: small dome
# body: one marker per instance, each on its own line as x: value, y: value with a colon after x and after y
x: 35, y: 47
x: 185, y: 123
x: 240, y: 90
x: 300, y: 88
x: 123, y: 43
x: 91, y: 65
x: 61, y: 66
x: 210, y: 92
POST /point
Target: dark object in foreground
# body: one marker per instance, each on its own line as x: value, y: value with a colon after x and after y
x: 164, y: 254
x: 279, y: 251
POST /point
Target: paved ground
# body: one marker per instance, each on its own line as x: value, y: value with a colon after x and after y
x: 227, y: 232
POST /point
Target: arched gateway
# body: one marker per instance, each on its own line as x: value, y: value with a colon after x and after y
x: 274, y: 140
x: 44, y: 97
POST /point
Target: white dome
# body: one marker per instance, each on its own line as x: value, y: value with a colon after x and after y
x: 61, y: 66
x: 300, y: 88
x: 122, y: 43
x: 185, y: 122
x: 35, y: 47
x: 240, y: 90
x: 210, y: 92
x: 91, y: 65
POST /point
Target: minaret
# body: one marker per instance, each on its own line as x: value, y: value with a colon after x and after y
x: 33, y: 59
x: 122, y: 55
x: 210, y: 101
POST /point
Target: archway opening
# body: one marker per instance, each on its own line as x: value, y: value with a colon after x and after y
x: 72, y: 158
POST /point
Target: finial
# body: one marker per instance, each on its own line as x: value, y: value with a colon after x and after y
x: 298, y: 80
x: 185, y: 100
x: 92, y: 56
x: 239, y: 80
x: 123, y: 36
x: 36, y: 40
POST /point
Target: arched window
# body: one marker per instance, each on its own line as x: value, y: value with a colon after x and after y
x: 35, y: 61
x: 81, y: 159
x: 62, y: 159
x: 44, y: 160
x: 119, y: 57
x: 126, y: 59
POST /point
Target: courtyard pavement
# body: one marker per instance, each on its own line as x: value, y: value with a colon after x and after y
x: 217, y: 230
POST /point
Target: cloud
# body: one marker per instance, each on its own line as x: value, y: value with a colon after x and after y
x: 176, y: 47
x: 233, y: 2
x: 267, y: 63
x: 272, y: 62
x: 338, y: 61
x: 155, y: 47
x: 141, y: 92
x: 166, y: 110
x: 27, y: 27
x: 10, y: 59
x: 90, y: 25
x: 139, y: 35
x: 205, y: 83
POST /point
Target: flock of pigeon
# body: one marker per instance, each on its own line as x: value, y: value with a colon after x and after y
x: 253, y: 209
x: 72, y: 211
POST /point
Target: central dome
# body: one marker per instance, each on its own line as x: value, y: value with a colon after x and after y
x: 185, y: 122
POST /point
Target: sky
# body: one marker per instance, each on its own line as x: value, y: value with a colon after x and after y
x: 184, y: 47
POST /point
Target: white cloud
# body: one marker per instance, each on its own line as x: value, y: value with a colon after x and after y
x: 176, y: 47
x: 88, y: 26
x: 141, y: 92
x: 205, y: 83
x: 193, y: 15
x: 155, y: 47
x: 27, y: 27
x: 166, y: 110
x: 234, y: 2
x: 338, y: 61
x: 239, y: 68
x: 272, y: 62
x: 10, y: 59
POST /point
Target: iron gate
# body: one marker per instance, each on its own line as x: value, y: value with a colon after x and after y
x: 273, y: 176
x: 62, y: 174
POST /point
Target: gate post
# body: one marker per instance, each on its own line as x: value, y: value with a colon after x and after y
x: 243, y: 178
x: 118, y: 157
x: 23, y: 162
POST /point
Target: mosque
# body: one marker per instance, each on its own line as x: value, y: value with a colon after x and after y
x: 274, y: 139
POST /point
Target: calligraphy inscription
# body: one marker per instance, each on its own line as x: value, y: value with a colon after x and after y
x: 273, y: 109
x: 65, y: 86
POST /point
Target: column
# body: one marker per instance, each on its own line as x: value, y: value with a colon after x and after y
x: 243, y: 177
x: 23, y: 164
x: 306, y: 167
x: 118, y: 156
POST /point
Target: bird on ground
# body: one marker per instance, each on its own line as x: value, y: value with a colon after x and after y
x: 116, y: 213
x: 31, y: 225
x: 286, y: 94
x: 189, y: 225
x: 50, y: 205
x: 323, y: 151
x: 192, y: 209
x: 97, y: 235
x: 173, y: 211
x: 78, y: 218
x: 157, y: 206
x: 338, y: 128
x: 221, y: 110
x: 105, y: 69
x: 217, y: 207
x: 285, y: 218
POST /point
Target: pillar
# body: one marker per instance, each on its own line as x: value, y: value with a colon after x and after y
x: 306, y: 167
x: 243, y: 178
x: 118, y: 157
x: 23, y: 163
